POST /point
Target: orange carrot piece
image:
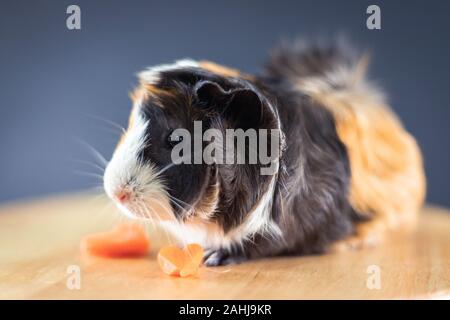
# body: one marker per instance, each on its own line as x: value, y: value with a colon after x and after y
x: 194, y: 254
x: 171, y: 259
x: 177, y: 262
x: 125, y: 240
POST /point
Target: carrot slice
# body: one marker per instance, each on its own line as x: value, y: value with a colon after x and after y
x: 125, y: 240
x: 171, y: 259
x: 194, y: 254
x: 177, y: 262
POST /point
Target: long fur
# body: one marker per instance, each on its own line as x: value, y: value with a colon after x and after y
x: 347, y: 166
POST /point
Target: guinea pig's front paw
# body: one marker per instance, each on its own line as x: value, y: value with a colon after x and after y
x: 221, y: 257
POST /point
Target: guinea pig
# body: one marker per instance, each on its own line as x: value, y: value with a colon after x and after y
x: 345, y: 170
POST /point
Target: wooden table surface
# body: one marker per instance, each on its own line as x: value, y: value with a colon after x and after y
x: 39, y: 257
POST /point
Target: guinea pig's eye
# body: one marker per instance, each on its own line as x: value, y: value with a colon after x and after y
x: 173, y: 139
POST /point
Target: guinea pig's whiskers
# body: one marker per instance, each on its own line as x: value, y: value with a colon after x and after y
x: 143, y: 215
x: 181, y: 231
x: 180, y: 201
x: 90, y: 174
x: 169, y: 239
x: 91, y: 164
x: 180, y: 226
x: 107, y: 121
x: 170, y: 165
x: 192, y: 208
x: 175, y: 220
x: 175, y: 200
x: 152, y: 220
x: 166, y: 209
x: 179, y: 206
x: 100, y: 190
x: 97, y: 155
x: 148, y: 215
x: 141, y: 212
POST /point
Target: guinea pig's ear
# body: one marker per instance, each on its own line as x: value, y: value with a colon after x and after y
x: 244, y: 109
x: 210, y: 94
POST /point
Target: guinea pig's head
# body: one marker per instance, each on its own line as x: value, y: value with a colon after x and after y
x: 159, y: 170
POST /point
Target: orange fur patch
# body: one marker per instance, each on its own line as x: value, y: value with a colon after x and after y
x: 155, y: 91
x: 142, y: 92
x: 387, y: 175
x: 130, y: 125
x: 218, y: 69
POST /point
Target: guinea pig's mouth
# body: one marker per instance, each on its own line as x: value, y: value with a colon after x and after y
x: 141, y: 194
x: 155, y: 207
x: 134, y: 203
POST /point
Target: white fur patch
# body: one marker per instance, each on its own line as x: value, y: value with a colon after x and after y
x: 126, y: 172
x: 207, y: 234
x: 151, y: 75
x: 259, y: 220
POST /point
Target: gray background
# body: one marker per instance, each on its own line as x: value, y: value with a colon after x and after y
x: 55, y: 82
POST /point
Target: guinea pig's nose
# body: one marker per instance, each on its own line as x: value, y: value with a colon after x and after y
x: 122, y: 196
